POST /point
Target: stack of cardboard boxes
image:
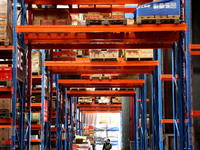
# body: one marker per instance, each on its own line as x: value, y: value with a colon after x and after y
x: 51, y: 17
x: 36, y: 63
x: 138, y: 54
x: 6, y: 22
x: 85, y: 100
x: 117, y: 100
x: 104, y: 54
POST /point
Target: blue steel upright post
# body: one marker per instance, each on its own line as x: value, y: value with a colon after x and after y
x: 72, y: 124
x: 57, y: 115
x: 188, y: 76
x: 66, y: 121
x: 14, y: 75
x: 135, y: 109
x: 76, y: 116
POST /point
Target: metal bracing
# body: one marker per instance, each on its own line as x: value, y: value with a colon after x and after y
x: 143, y: 115
x: 76, y: 116
x: 72, y: 121
x: 135, y: 109
x: 66, y: 121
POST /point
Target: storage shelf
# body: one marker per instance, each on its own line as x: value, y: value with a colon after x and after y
x: 108, y: 111
x: 6, y: 52
x: 105, y: 67
x: 87, y: 76
x: 36, y: 140
x: 8, y: 142
x: 6, y: 123
x: 36, y: 79
x: 99, y: 105
x: 101, y: 109
x: 100, y: 93
x: 33, y: 126
x: 33, y: 105
x: 85, y: 2
x: 134, y: 83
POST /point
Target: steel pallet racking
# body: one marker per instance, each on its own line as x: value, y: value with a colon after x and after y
x: 166, y: 35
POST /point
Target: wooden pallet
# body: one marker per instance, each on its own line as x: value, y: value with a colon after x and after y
x: 158, y: 19
x: 106, y: 22
x: 137, y: 59
x: 103, y: 59
x: 4, y: 113
x: 77, y: 89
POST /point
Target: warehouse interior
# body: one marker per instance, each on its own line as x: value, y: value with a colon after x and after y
x: 93, y: 75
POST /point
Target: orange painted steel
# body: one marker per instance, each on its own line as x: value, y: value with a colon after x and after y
x: 33, y: 126
x: 170, y: 121
x: 195, y: 113
x: 102, y: 83
x: 167, y: 36
x: 36, y: 79
x: 7, y: 48
x: 36, y: 140
x: 39, y: 91
x: 85, y: 2
x: 33, y: 105
x: 100, y: 109
x: 194, y: 46
x: 101, y: 93
x: 7, y: 142
x: 87, y: 76
x: 6, y: 123
x: 105, y: 67
x: 99, y: 105
x: 102, y: 46
x: 139, y: 100
x: 100, y: 9
x: 100, y: 28
x: 167, y: 77
x: 5, y: 89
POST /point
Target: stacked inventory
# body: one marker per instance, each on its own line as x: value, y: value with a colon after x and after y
x: 6, y: 22
x: 100, y: 137
x: 138, y: 54
x: 113, y: 135
x: 104, y: 55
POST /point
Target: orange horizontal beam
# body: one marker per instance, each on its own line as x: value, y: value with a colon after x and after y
x: 5, y: 89
x: 33, y: 105
x: 99, y: 105
x: 193, y: 53
x: 139, y: 100
x: 101, y: 111
x: 167, y: 77
x: 170, y: 121
x: 101, y: 93
x: 194, y: 46
x: 37, y: 79
x: 7, y: 48
x: 36, y: 140
x: 167, y: 36
x: 102, y: 46
x: 103, y: 67
x: 6, y: 123
x: 33, y: 126
x: 39, y: 91
x: 100, y: 28
x: 102, y: 83
x: 8, y: 142
x: 85, y: 2
x: 87, y: 76
x: 100, y: 9
x: 195, y: 113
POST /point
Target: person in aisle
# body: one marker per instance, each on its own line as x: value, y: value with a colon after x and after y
x: 107, y: 145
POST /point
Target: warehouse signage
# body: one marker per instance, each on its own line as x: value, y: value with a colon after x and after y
x: 20, y: 63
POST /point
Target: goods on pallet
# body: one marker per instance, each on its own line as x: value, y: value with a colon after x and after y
x: 51, y: 17
x: 118, y: 15
x: 104, y: 54
x: 103, y: 100
x: 128, y: 76
x: 5, y: 107
x: 147, y: 121
x: 100, y: 76
x: 6, y: 76
x: 6, y: 22
x: 138, y: 54
x: 65, y: 55
x: 36, y: 62
x: 103, y: 119
x: 85, y: 100
x: 158, y: 12
x: 5, y: 134
x: 80, y: 53
x: 35, y: 147
x: 35, y: 117
x: 117, y: 100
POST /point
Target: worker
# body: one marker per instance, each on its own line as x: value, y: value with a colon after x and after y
x: 107, y: 145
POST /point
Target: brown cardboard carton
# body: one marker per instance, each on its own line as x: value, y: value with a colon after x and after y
x: 61, y: 22
x: 117, y: 15
x: 6, y: 105
x: 47, y: 22
x: 5, y: 134
x: 94, y: 15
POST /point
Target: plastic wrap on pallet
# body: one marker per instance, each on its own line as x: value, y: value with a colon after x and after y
x: 162, y: 7
x: 114, y: 143
x: 112, y: 129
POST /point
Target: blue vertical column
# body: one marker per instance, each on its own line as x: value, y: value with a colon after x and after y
x: 76, y: 115
x: 135, y: 109
x: 66, y: 122
x: 160, y: 101
x: 57, y: 115
x: 43, y: 100
x: 72, y: 121
x: 143, y: 113
x: 174, y: 95
x: 14, y: 75
x: 188, y: 77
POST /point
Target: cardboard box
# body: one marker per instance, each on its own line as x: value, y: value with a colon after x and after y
x: 36, y: 22
x: 132, y: 53
x: 75, y: 17
x: 47, y: 22
x: 35, y: 147
x: 117, y: 15
x: 5, y: 134
x: 128, y: 76
x: 6, y: 105
x: 61, y: 22
x: 36, y: 62
x: 94, y: 15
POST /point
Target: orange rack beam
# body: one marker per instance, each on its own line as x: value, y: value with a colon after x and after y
x: 9, y: 142
x: 36, y: 140
x: 33, y: 105
x: 101, y: 111
x: 85, y: 2
x: 101, y: 93
x: 167, y: 77
x: 33, y: 126
x: 99, y: 105
x: 194, y: 46
x: 105, y: 67
x: 100, y: 28
x: 37, y: 79
x: 101, y: 46
x: 102, y: 83
x: 87, y: 76
x: 139, y: 100
x: 39, y: 91
x: 170, y: 121
x: 5, y: 89
x: 6, y: 123
x: 195, y: 113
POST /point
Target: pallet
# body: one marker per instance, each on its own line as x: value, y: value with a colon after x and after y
x: 137, y: 59
x: 4, y: 113
x: 106, y: 22
x: 77, y: 89
x: 6, y: 83
x: 5, y: 42
x: 158, y: 19
x: 103, y: 59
